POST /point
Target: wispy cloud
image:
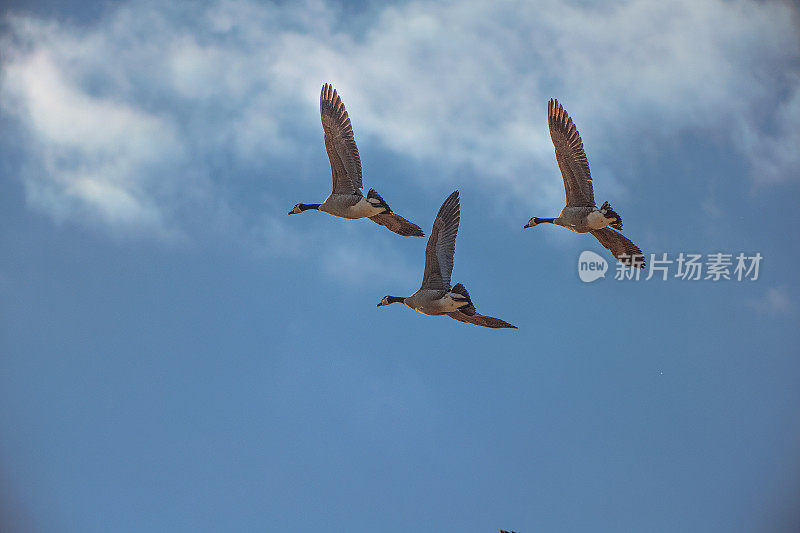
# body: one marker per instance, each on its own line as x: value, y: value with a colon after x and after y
x: 131, y: 118
x: 94, y: 154
x: 774, y: 302
x: 772, y: 149
x: 354, y: 265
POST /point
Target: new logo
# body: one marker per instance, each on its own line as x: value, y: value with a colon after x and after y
x: 591, y: 266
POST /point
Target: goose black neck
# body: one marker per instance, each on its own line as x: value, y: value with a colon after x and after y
x: 305, y: 207
x: 395, y: 299
x: 540, y: 220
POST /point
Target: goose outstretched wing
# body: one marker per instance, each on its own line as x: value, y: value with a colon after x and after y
x: 398, y: 224
x: 340, y: 143
x: 480, y: 320
x: 442, y: 245
x: 618, y: 244
x: 570, y: 156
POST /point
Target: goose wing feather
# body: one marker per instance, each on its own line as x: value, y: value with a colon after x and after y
x: 398, y: 224
x: 480, y: 320
x: 442, y: 245
x: 620, y: 246
x: 340, y: 143
x: 570, y: 156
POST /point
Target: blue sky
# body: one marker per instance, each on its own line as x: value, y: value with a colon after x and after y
x: 179, y: 355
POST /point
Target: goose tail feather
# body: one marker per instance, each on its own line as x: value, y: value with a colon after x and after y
x: 608, y: 212
x: 468, y: 309
x: 376, y: 200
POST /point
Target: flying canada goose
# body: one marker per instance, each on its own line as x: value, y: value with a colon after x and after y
x: 346, y: 200
x: 581, y: 213
x: 435, y: 296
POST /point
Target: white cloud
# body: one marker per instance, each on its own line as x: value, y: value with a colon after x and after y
x: 464, y: 83
x: 773, y: 150
x: 92, y: 153
x: 774, y: 302
x: 124, y: 113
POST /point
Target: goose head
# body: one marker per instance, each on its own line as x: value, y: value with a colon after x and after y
x: 299, y: 208
x: 531, y: 223
x: 390, y: 300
